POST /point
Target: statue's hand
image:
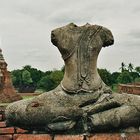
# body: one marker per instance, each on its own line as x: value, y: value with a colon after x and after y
x: 113, y: 112
x: 105, y: 102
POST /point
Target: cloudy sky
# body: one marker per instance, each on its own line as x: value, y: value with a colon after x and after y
x: 25, y: 27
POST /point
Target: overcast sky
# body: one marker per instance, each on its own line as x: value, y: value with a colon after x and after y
x: 25, y: 27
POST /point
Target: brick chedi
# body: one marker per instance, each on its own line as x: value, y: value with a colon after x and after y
x: 7, y: 91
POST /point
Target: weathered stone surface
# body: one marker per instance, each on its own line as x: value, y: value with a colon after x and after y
x: 7, y: 91
x: 82, y: 102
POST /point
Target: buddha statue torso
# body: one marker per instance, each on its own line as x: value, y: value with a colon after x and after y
x: 79, y: 47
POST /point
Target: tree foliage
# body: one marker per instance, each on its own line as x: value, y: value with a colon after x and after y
x: 16, y: 77
x: 29, y: 79
x: 123, y: 67
x: 124, y: 77
x: 106, y: 76
x: 130, y: 67
x: 51, y: 80
x: 137, y: 69
x: 26, y: 77
x: 114, y: 77
x: 46, y: 83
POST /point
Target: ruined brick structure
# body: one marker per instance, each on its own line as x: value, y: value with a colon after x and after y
x: 133, y: 88
x: 7, y: 91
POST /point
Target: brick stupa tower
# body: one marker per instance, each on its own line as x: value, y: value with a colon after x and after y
x: 7, y: 91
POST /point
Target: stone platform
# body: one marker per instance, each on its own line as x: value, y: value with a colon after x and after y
x: 14, y: 133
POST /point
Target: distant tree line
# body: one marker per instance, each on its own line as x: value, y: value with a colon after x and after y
x: 29, y: 79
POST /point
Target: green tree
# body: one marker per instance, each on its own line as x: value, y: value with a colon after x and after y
x: 48, y: 72
x: 137, y: 80
x: 50, y: 80
x: 16, y: 78
x: 36, y: 74
x: 114, y: 77
x: 46, y: 83
x: 123, y: 67
x: 63, y: 69
x: 125, y: 78
x: 34, y: 78
x: 56, y: 76
x: 105, y: 76
x: 134, y: 75
x: 26, y: 77
x: 27, y: 83
x: 137, y: 69
x: 130, y: 67
x: 27, y: 67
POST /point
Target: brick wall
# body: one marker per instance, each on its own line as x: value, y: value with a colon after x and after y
x: 13, y: 133
x: 129, y: 88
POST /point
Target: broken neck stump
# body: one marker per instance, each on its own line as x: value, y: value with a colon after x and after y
x: 7, y: 91
x: 82, y: 102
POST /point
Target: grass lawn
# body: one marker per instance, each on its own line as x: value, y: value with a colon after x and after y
x: 23, y: 96
x: 27, y: 97
x: 115, y: 88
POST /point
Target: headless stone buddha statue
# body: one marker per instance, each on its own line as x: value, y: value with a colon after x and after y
x: 80, y: 47
x: 82, y: 102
